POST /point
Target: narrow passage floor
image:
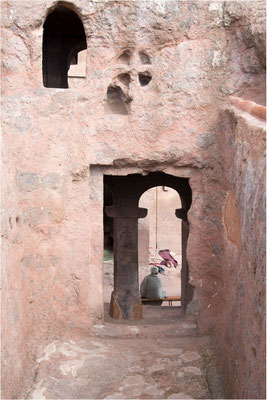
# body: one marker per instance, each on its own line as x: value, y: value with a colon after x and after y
x: 160, y: 357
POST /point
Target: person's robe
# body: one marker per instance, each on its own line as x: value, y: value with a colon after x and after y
x: 151, y: 288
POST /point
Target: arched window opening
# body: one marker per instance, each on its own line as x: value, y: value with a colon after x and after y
x: 63, y: 39
x: 160, y: 230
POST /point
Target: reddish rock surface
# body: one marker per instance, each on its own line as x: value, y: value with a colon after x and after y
x: 59, y: 143
x: 241, y: 329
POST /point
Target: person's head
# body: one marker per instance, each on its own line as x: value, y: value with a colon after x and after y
x: 154, y: 270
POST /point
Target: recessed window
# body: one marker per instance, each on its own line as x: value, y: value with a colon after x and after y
x: 125, y: 79
x: 144, y: 58
x: 125, y: 57
x: 63, y: 39
x: 144, y: 78
x: 117, y: 100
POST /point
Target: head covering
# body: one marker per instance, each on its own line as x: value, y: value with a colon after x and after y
x: 154, y: 270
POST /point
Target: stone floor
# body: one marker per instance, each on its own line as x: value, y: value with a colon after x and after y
x: 159, y: 357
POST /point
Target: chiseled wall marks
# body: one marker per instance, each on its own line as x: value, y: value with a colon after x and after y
x: 232, y: 220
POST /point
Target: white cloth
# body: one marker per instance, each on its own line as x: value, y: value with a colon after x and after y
x: 151, y: 288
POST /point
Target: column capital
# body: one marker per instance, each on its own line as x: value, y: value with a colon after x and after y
x: 125, y: 212
x: 181, y: 213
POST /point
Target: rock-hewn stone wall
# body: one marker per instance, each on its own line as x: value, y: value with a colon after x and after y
x: 240, y: 330
x: 196, y: 54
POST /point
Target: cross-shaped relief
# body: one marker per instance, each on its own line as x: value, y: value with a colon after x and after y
x: 132, y: 67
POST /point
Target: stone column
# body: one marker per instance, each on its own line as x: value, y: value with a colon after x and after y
x: 186, y: 288
x: 125, y: 299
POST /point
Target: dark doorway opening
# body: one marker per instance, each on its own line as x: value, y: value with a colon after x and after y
x: 63, y: 39
x: 108, y: 260
x: 125, y: 212
x: 108, y: 221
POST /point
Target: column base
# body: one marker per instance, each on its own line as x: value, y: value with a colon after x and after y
x: 119, y: 310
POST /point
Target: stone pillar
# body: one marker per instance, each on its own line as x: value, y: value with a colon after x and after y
x: 185, y: 270
x: 186, y: 288
x: 125, y: 299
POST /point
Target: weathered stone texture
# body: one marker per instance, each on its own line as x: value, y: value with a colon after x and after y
x: 243, y: 321
x: 27, y: 182
x: 197, y: 54
x: 232, y: 220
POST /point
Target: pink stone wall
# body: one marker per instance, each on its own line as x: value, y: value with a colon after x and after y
x: 57, y: 144
x: 241, y: 329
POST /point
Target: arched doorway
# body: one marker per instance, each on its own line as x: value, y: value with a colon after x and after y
x: 159, y: 230
x: 126, y: 191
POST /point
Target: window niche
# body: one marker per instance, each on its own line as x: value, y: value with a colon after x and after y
x: 63, y: 39
x: 144, y: 78
x: 117, y: 100
x: 144, y: 58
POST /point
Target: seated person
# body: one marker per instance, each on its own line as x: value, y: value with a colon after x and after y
x: 151, y: 287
